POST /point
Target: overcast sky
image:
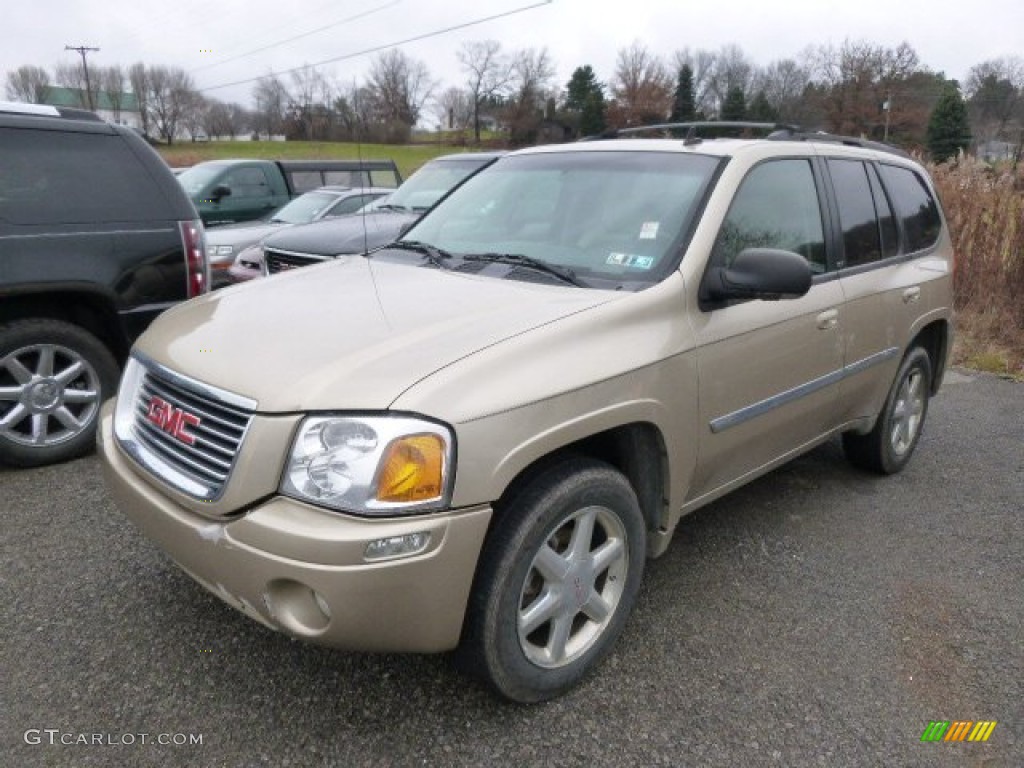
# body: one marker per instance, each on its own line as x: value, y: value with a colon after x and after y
x: 214, y: 39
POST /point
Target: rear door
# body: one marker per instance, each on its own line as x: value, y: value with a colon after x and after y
x: 769, y: 370
x: 890, y: 225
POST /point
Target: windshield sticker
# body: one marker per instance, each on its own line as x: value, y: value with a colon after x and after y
x: 629, y: 260
x: 649, y: 230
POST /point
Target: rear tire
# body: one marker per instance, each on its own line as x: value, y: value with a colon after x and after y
x: 53, y: 378
x: 888, y: 447
x: 558, y: 577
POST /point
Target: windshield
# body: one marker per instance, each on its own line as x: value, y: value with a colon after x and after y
x: 304, y: 208
x: 196, y: 179
x: 430, y: 183
x: 614, y: 219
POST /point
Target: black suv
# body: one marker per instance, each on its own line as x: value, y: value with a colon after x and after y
x: 96, y: 239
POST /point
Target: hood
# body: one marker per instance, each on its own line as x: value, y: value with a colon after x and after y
x: 241, y: 234
x: 356, y: 233
x: 350, y: 334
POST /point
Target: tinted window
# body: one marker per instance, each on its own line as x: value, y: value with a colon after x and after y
x: 915, y: 207
x: 776, y: 207
x: 247, y: 182
x: 856, y: 212
x: 73, y: 178
x: 886, y: 219
x: 350, y: 205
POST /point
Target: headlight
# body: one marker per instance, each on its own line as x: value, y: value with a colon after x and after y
x: 219, y: 251
x: 371, y: 465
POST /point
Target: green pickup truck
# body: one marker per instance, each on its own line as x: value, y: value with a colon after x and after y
x: 227, y: 191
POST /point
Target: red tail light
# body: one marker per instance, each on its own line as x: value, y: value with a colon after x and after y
x: 197, y: 269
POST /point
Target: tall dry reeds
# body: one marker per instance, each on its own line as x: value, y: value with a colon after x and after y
x: 985, y: 209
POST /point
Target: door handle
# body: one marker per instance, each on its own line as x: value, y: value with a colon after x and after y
x: 912, y: 294
x: 828, y: 319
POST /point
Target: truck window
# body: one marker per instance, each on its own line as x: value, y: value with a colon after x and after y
x: 247, y: 183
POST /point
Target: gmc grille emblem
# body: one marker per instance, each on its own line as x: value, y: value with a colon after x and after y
x: 173, y: 421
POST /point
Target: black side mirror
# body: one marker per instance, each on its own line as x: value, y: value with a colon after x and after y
x: 760, y: 273
x: 221, y: 190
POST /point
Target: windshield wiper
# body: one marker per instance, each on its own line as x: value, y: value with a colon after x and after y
x: 391, y: 207
x: 564, y: 274
x: 435, y: 256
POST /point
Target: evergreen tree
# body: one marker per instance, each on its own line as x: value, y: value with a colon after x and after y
x: 592, y: 118
x: 581, y: 85
x: 948, y: 128
x: 683, y: 108
x: 585, y: 97
x: 761, y: 111
x: 735, y: 105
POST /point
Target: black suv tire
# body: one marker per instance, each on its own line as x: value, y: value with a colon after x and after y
x: 53, y: 378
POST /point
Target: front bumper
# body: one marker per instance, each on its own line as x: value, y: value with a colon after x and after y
x: 301, y: 569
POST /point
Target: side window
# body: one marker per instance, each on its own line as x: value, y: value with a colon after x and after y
x: 915, y: 207
x: 776, y: 206
x: 247, y: 183
x: 69, y: 177
x: 886, y: 219
x: 861, y: 243
x: 349, y: 205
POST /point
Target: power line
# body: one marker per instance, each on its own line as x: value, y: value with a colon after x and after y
x: 424, y: 36
x: 296, y: 37
x: 83, y: 50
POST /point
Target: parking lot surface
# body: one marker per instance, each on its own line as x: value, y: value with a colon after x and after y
x: 818, y: 617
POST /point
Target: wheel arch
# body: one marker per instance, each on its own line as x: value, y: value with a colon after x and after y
x: 89, y: 311
x: 935, y: 338
x: 636, y: 449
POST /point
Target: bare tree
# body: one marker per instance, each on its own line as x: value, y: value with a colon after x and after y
x: 28, y: 83
x: 862, y: 82
x: 72, y: 77
x: 138, y: 77
x: 641, y: 89
x: 171, y: 97
x: 453, y: 109
x: 702, y: 63
x: 112, y: 83
x: 783, y: 83
x: 995, y: 91
x: 532, y: 76
x: 399, y: 87
x: 488, y: 75
x: 272, y: 98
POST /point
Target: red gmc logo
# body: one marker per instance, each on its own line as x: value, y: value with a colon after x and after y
x: 171, y: 420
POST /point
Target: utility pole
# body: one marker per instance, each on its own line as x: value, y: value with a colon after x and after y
x: 82, y: 50
x: 887, y: 106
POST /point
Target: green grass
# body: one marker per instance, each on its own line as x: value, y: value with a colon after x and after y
x: 407, y: 157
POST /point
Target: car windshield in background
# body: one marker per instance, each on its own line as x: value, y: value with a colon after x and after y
x: 611, y: 218
x: 194, y: 180
x: 429, y: 184
x: 305, y: 208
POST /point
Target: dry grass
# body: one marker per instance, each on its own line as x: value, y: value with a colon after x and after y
x: 985, y: 208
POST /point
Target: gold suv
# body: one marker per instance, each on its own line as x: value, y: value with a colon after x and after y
x: 474, y: 437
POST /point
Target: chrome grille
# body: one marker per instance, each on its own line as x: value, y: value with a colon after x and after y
x: 195, y: 456
x: 282, y: 261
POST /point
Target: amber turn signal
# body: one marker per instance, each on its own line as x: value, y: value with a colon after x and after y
x: 412, y: 470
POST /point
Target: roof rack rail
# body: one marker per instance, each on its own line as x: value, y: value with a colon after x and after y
x: 45, y: 110
x: 775, y: 132
x: 691, y: 129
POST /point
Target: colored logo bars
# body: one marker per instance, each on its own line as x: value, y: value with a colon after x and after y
x: 958, y: 730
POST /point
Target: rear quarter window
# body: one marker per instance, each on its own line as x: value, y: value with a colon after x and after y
x: 53, y: 177
x: 915, y: 207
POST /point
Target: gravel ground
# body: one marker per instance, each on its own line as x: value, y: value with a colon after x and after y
x: 818, y: 617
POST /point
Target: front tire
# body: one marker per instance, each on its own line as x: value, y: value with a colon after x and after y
x: 888, y: 447
x: 53, y: 378
x: 558, y: 578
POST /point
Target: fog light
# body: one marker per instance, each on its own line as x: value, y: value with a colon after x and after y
x: 397, y: 546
